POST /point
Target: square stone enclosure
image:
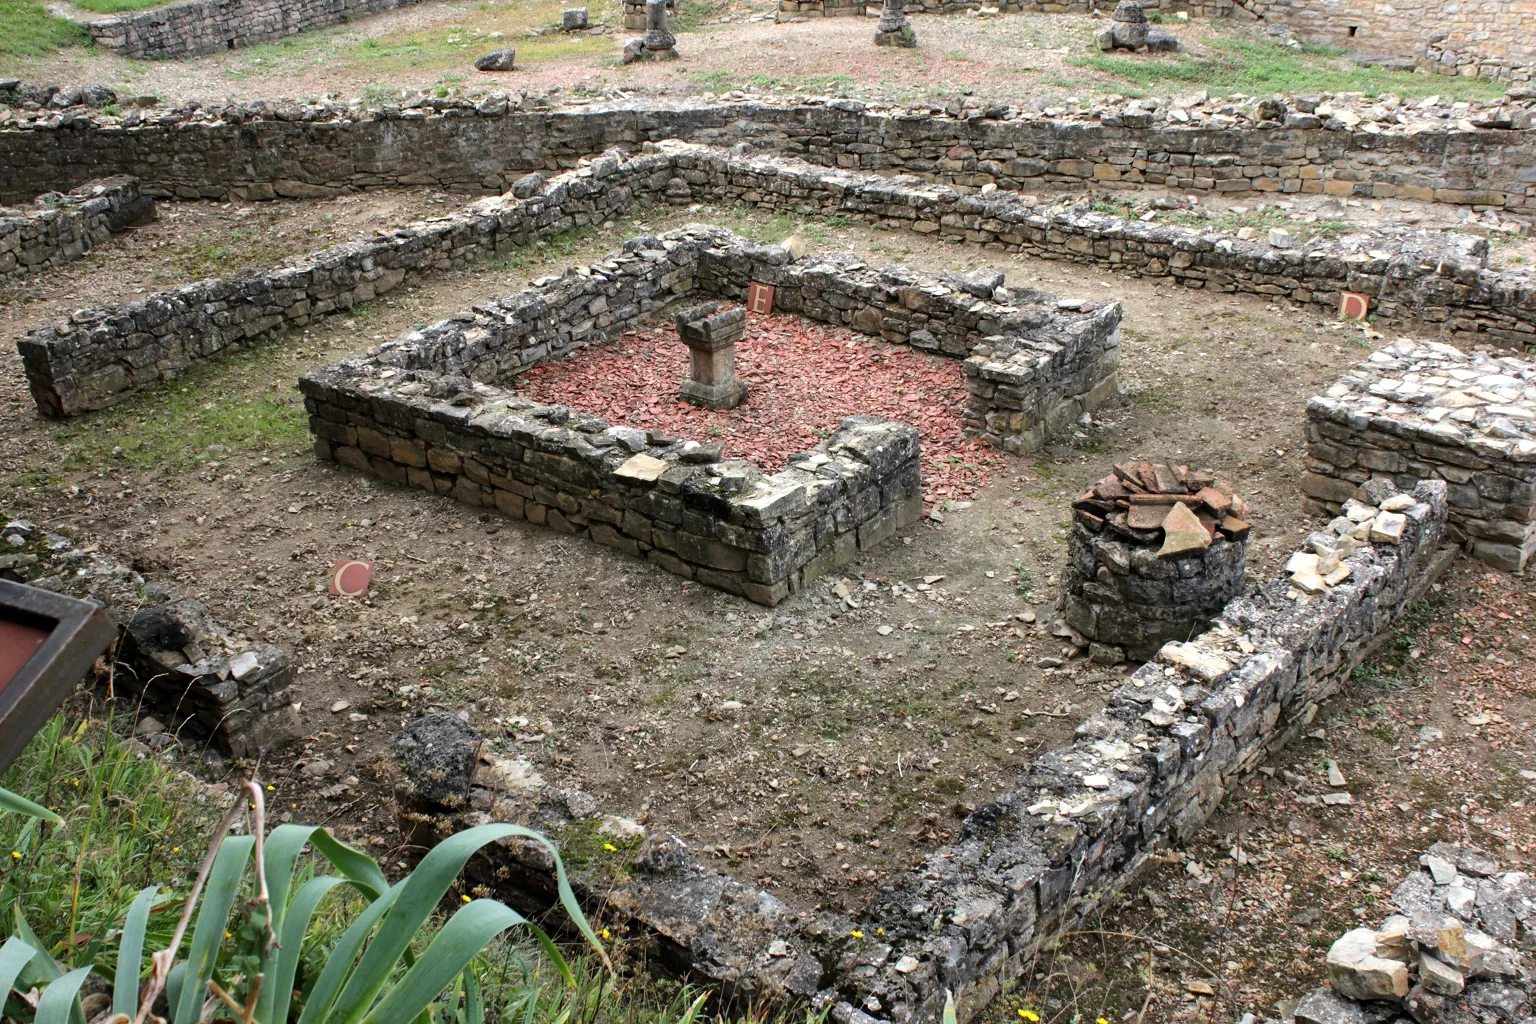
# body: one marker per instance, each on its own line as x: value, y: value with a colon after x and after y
x: 428, y: 410
x: 1426, y: 411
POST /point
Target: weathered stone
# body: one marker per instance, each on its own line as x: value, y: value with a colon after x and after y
x: 496, y: 60
x: 437, y: 754
x: 1356, y: 972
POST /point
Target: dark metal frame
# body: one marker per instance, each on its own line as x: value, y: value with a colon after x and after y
x: 78, y: 632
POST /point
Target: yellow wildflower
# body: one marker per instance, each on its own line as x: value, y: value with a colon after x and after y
x: 15, y: 855
x: 610, y: 848
x: 1030, y: 1015
x: 605, y: 934
x: 856, y: 934
x: 465, y: 897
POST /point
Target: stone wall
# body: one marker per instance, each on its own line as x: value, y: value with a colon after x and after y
x: 62, y: 228
x: 261, y: 150
x: 101, y: 355
x: 409, y: 413
x: 1493, y: 30
x: 104, y: 354
x: 212, y: 26
x: 1142, y: 775
x: 1430, y: 412
x: 207, y: 684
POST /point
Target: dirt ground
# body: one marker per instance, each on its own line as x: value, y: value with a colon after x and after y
x: 806, y: 747
x: 1040, y: 59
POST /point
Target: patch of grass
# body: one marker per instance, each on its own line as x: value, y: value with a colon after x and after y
x: 128, y: 823
x: 28, y: 30
x: 172, y: 426
x: 117, y: 6
x: 1262, y: 220
x: 1237, y: 65
x: 449, y: 50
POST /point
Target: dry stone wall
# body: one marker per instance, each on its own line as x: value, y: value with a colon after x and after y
x: 212, y: 26
x: 61, y: 228
x: 409, y: 412
x: 1431, y: 412
x: 101, y: 355
x: 1494, y: 35
x: 261, y: 150
x: 1142, y: 775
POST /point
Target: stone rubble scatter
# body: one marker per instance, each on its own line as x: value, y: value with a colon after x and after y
x: 209, y: 685
x: 1457, y: 950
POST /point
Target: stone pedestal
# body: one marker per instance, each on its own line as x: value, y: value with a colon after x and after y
x: 893, y: 28
x: 711, y: 332
x: 1126, y: 596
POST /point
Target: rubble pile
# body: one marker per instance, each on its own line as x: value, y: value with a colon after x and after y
x: 1375, y: 515
x: 1457, y: 950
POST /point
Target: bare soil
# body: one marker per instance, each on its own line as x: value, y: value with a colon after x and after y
x: 800, y: 746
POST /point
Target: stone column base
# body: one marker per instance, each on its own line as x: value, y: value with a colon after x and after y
x: 715, y: 396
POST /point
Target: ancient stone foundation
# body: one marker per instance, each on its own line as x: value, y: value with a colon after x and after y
x: 1427, y: 411
x: 1141, y: 775
x: 206, y: 684
x: 60, y: 228
x: 211, y: 26
x: 103, y: 354
x: 410, y: 413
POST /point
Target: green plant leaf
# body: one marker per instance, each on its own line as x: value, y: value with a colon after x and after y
x: 41, y: 968
x: 130, y: 953
x: 338, y: 965
x: 420, y: 894
x: 949, y: 1007
x: 14, y: 957
x: 58, y: 1003
x: 21, y: 805
x: 208, y: 935
x: 282, y: 964
x: 359, y: 868
x: 455, y: 945
x: 474, y: 999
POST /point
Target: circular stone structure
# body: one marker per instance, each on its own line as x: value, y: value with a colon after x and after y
x: 1156, y: 551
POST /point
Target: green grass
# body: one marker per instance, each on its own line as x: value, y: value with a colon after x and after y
x: 171, y: 426
x: 28, y: 30
x: 127, y: 824
x: 117, y: 6
x: 1259, y: 68
x: 450, y: 50
x: 132, y: 822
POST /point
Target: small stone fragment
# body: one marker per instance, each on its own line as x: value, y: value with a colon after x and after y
x: 1183, y: 532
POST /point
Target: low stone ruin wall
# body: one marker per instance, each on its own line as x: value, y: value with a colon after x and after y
x: 101, y: 355
x: 259, y: 150
x: 62, y: 228
x: 212, y: 26
x: 105, y: 353
x: 1428, y: 276
x: 206, y: 684
x: 1417, y: 411
x: 1143, y: 774
x: 408, y: 412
